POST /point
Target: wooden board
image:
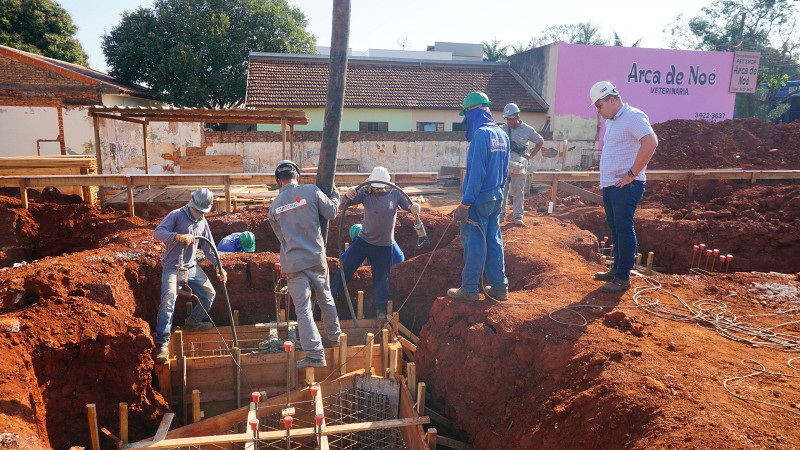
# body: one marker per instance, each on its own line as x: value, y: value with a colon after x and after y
x: 212, y: 164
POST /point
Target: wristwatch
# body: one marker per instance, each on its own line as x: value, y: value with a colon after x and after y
x: 631, y: 174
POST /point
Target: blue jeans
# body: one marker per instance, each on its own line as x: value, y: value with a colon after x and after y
x: 381, y: 260
x: 300, y: 285
x: 483, y: 243
x: 202, y: 288
x: 620, y: 205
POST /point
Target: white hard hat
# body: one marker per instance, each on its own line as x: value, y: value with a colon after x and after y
x: 202, y: 199
x: 511, y: 109
x: 601, y: 89
x: 379, y: 173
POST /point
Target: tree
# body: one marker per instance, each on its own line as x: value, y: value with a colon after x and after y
x: 766, y: 26
x: 41, y: 27
x: 195, y: 52
x: 494, y: 52
x: 572, y: 33
x: 618, y: 41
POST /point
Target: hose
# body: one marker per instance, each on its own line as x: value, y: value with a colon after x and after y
x: 421, y: 241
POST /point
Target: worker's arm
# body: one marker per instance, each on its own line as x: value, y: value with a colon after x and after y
x: 328, y: 207
x: 164, y: 231
x: 477, y: 159
x: 647, y: 146
x: 535, y: 150
x: 276, y: 227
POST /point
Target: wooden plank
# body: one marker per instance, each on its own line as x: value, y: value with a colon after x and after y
x: 212, y: 164
x: 452, y: 443
x: 368, y: 353
x: 412, y: 436
x: 319, y: 409
x: 430, y: 438
x: 23, y: 192
x: 407, y: 344
x: 163, y: 429
x: 583, y: 193
x: 123, y: 422
x: 94, y: 435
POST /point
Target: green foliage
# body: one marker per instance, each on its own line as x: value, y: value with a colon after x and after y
x: 573, y: 33
x: 765, y: 26
x: 195, y: 52
x: 41, y: 27
x: 494, y: 52
x: 618, y: 41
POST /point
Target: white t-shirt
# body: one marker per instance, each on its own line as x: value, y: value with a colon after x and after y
x: 621, y: 144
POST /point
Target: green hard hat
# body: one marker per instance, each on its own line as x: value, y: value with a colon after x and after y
x: 474, y: 99
x: 354, y: 230
x: 248, y: 241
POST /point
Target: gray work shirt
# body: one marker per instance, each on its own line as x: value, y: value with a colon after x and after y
x: 380, y: 215
x: 294, y: 216
x: 522, y: 134
x: 178, y: 222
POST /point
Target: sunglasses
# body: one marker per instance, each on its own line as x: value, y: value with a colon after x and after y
x: 381, y: 189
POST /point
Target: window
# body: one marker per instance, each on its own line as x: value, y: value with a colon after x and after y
x: 373, y: 126
x: 430, y: 126
x: 459, y: 126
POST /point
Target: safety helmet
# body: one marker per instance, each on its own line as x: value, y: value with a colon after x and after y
x: 354, y: 230
x: 248, y: 241
x: 511, y: 109
x: 285, y: 166
x: 379, y: 173
x: 601, y: 89
x: 474, y: 99
x: 202, y: 199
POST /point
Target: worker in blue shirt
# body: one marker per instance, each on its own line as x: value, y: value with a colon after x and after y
x: 243, y: 242
x: 481, y: 200
x: 397, y: 254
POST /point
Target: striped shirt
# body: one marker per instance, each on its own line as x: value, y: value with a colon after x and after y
x: 621, y: 144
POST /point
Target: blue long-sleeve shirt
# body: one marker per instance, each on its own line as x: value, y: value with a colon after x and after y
x: 231, y: 244
x: 487, y: 166
x: 178, y: 222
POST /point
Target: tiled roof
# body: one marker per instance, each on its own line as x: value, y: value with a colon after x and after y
x: 75, y: 71
x: 301, y: 82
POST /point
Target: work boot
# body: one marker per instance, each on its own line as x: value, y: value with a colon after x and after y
x: 458, y: 294
x: 333, y: 342
x: 193, y: 325
x: 380, y: 314
x: 616, y: 285
x: 519, y: 221
x: 310, y: 362
x: 605, y: 276
x: 497, y: 295
x: 161, y: 353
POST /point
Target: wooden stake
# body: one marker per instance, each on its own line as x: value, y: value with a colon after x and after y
x: 236, y: 317
x: 346, y: 245
x: 23, y: 192
x: 393, y: 363
x: 384, y: 350
x: 195, y: 406
x: 411, y: 368
x: 343, y: 353
x: 430, y: 438
x: 421, y: 398
x: 649, y: 269
x: 388, y: 308
x: 309, y: 379
x: 227, y: 183
x: 564, y: 156
x: 368, y: 354
x: 131, y: 211
x: 93, y: 431
x: 638, y: 259
x: 181, y: 359
x: 165, y: 381
x: 396, y: 323
x: 360, y: 313
x: 123, y: 422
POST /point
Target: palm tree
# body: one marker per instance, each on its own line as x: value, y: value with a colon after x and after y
x: 494, y: 52
x: 587, y: 33
x: 618, y: 42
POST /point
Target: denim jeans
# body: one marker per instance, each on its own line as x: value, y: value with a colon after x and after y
x: 515, y: 185
x: 300, y: 285
x: 483, y: 243
x: 202, y: 288
x: 620, y: 205
x: 381, y: 260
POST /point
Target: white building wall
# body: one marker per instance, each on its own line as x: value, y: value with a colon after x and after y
x: 22, y: 126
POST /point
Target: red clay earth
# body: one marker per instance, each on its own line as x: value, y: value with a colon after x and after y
x: 508, y: 376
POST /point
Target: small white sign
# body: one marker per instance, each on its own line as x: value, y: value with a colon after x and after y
x: 745, y: 72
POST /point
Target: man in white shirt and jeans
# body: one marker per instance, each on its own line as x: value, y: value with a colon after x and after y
x: 629, y: 143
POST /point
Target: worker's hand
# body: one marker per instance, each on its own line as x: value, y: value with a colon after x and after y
x: 461, y: 213
x: 624, y: 179
x: 223, y: 276
x: 334, y: 194
x: 351, y: 193
x: 415, y: 208
x: 187, y: 239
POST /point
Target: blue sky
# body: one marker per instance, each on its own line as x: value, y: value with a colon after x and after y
x: 379, y: 24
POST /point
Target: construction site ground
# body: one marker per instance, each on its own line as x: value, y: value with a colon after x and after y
x: 560, y: 365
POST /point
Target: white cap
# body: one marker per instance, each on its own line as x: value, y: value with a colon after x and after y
x: 601, y: 89
x: 379, y: 173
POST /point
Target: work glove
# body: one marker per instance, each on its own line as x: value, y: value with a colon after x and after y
x: 351, y: 193
x: 415, y: 208
x: 187, y: 239
x: 223, y: 275
x: 461, y: 213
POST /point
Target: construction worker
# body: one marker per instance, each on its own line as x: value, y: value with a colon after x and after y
x: 178, y: 229
x: 519, y: 134
x: 629, y: 143
x: 376, y: 239
x: 243, y: 242
x: 294, y: 216
x: 481, y: 199
x: 397, y: 254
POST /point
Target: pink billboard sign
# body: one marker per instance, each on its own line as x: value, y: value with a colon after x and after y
x: 665, y: 84
x: 745, y: 72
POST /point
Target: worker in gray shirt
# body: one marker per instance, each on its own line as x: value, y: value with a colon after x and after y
x: 294, y: 216
x: 519, y: 134
x: 178, y: 230
x: 376, y: 238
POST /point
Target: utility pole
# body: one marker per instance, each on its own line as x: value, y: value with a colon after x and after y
x: 337, y: 71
